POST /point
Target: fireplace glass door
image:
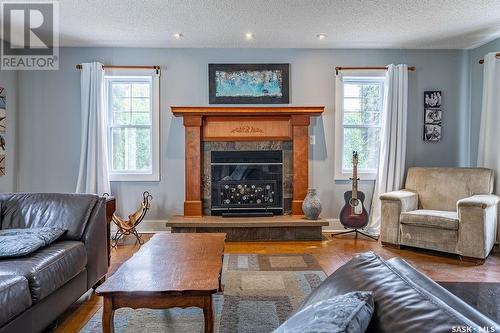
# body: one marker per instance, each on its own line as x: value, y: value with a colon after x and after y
x: 247, y: 183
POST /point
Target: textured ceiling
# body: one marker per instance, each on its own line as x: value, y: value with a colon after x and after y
x: 280, y: 23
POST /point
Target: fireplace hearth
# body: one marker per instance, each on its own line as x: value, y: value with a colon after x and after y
x: 247, y: 183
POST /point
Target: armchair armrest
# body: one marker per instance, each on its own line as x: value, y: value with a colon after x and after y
x: 408, y: 199
x: 480, y: 200
x: 392, y: 205
x: 477, y: 229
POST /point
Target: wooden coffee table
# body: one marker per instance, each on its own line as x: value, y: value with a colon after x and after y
x: 170, y: 270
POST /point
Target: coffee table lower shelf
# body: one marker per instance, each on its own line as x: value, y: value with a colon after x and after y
x: 156, y: 301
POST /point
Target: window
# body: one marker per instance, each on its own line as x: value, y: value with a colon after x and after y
x: 132, y: 103
x: 358, y: 124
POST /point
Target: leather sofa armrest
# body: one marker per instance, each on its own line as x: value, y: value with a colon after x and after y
x: 392, y: 205
x: 480, y: 200
x: 95, y: 242
x: 477, y: 226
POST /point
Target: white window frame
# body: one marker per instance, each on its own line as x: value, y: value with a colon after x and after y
x: 340, y: 173
x: 139, y: 176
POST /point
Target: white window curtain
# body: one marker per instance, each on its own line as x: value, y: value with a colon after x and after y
x: 93, y: 173
x: 489, y: 136
x: 391, y: 166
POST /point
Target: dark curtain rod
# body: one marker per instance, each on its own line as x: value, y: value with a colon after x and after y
x: 341, y: 68
x: 496, y: 56
x: 157, y: 68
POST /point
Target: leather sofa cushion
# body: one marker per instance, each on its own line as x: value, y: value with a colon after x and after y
x: 14, y: 297
x: 400, y: 305
x: 431, y: 219
x: 49, y: 268
x: 30, y: 210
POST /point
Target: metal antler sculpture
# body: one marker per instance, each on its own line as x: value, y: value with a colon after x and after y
x: 128, y: 227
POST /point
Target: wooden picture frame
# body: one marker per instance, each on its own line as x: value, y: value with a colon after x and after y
x: 229, y: 83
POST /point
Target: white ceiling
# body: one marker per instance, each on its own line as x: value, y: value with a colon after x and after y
x: 280, y: 23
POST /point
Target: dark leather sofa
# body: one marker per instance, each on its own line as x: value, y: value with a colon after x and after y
x: 405, y: 299
x: 37, y: 288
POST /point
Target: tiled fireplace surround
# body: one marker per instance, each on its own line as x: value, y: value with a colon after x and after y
x: 245, y: 128
x: 284, y: 146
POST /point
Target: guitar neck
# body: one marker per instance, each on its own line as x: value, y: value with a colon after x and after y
x: 355, y: 181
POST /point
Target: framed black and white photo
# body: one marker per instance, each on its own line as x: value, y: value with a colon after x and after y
x: 432, y: 99
x: 433, y: 115
x: 432, y: 133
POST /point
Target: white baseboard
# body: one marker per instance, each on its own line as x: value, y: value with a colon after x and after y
x: 149, y: 227
x: 334, y: 225
x: 157, y: 226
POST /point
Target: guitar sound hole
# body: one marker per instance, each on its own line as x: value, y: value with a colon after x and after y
x: 354, y: 202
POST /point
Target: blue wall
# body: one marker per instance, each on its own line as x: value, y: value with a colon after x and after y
x: 49, y: 114
x: 476, y: 92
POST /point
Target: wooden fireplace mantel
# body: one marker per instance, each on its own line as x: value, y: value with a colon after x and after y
x: 207, y: 123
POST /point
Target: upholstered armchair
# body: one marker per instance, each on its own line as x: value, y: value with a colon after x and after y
x: 445, y: 209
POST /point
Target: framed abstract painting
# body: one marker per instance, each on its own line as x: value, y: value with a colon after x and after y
x: 248, y: 83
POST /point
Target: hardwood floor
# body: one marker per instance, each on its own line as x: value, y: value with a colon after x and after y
x: 331, y: 253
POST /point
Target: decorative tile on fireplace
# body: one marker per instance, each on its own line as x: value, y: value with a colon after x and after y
x: 284, y: 146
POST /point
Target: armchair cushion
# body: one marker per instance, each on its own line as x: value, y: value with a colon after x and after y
x: 439, y: 219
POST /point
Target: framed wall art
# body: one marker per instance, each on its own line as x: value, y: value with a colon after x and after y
x: 248, y: 83
x: 433, y: 116
x: 3, y: 112
x: 3, y: 127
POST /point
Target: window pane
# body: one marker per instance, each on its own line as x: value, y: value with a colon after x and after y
x: 121, y: 118
x: 120, y: 89
x: 140, y: 89
x: 351, y: 90
x: 140, y: 104
x: 140, y: 118
x: 352, y: 104
x: 371, y: 96
x: 131, y: 149
x: 366, y: 142
x: 362, y: 118
x: 121, y: 104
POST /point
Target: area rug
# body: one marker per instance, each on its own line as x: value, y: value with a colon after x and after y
x: 260, y: 292
x: 484, y: 296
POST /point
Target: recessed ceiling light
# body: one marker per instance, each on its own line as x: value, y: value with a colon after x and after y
x: 321, y: 36
x: 178, y: 35
x: 249, y: 36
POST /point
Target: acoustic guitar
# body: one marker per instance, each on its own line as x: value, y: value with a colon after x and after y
x: 353, y: 214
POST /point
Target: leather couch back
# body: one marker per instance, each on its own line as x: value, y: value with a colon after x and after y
x: 401, y: 305
x: 441, y: 188
x: 32, y: 210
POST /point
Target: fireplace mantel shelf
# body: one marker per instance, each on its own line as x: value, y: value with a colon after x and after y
x: 181, y: 111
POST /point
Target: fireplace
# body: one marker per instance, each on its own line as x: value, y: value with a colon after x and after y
x: 247, y: 183
x: 240, y: 125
